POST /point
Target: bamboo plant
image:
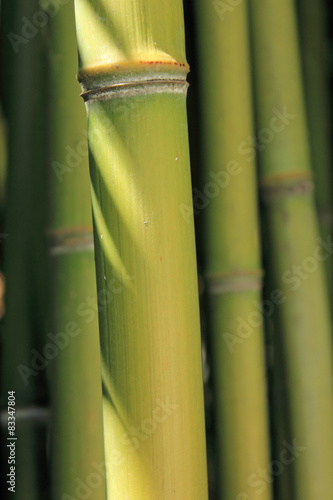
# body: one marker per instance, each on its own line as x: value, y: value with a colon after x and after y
x: 313, y: 35
x: 23, y: 334
x: 233, y: 272
x: 133, y: 75
x: 295, y: 250
x: 76, y: 431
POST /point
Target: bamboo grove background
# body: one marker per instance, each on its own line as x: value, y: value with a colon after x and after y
x: 117, y: 396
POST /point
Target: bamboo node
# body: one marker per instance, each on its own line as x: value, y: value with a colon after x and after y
x: 247, y: 281
x: 71, y: 240
x: 37, y: 414
x: 132, y: 89
x: 140, y: 78
x: 278, y: 186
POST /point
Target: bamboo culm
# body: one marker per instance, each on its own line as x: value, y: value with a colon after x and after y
x: 76, y: 430
x: 233, y: 267
x: 132, y: 72
x: 296, y: 253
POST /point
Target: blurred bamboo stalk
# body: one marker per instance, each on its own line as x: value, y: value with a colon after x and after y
x: 296, y: 252
x: 313, y: 37
x: 233, y: 272
x: 77, y: 448
x: 22, y: 367
x: 132, y: 72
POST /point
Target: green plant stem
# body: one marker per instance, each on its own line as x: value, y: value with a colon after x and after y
x: 313, y: 36
x: 295, y: 250
x: 140, y: 176
x: 75, y: 373
x: 233, y: 252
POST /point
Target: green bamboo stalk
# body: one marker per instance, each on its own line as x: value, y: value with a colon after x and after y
x: 132, y: 71
x: 313, y: 36
x: 77, y: 449
x: 296, y: 251
x: 233, y: 268
x: 24, y: 98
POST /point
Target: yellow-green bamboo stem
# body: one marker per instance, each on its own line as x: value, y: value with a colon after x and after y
x: 77, y: 448
x: 132, y: 71
x: 296, y: 253
x: 313, y: 36
x: 233, y: 264
x: 24, y: 101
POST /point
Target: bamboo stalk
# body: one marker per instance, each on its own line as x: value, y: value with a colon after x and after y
x: 233, y: 268
x: 24, y: 100
x: 296, y: 251
x: 77, y: 449
x: 313, y: 36
x: 132, y: 71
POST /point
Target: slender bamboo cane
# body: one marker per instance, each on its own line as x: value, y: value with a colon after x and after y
x: 23, y: 67
x: 312, y: 16
x: 132, y: 72
x: 77, y: 451
x: 232, y: 253
x: 296, y: 251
